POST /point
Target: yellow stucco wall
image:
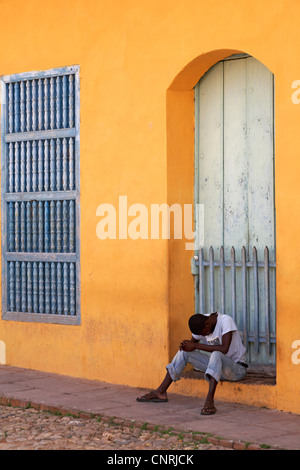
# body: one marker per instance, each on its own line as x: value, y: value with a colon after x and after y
x: 139, y: 61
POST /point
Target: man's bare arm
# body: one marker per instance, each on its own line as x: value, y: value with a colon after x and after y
x: 191, y: 345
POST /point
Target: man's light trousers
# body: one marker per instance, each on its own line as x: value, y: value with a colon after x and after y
x: 216, y: 364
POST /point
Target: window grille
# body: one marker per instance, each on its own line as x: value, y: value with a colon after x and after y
x: 40, y: 196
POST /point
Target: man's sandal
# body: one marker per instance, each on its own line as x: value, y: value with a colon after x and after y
x: 208, y: 409
x: 151, y: 397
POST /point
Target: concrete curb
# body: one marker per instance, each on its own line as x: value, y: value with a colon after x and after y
x: 195, y: 436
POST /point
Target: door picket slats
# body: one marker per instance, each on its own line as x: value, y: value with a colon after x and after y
x: 253, y: 291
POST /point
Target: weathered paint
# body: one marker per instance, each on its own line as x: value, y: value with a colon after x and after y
x: 235, y: 152
x: 139, y: 62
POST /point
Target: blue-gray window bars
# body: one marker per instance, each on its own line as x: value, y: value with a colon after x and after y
x: 262, y: 276
x: 40, y: 196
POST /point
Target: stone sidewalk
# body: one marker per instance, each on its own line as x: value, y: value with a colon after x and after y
x: 233, y: 426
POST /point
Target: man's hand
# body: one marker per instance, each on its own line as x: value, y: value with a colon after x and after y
x: 187, y: 345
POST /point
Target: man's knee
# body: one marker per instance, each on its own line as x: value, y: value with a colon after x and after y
x: 180, y: 356
x: 185, y: 357
x: 214, y: 368
x: 216, y: 356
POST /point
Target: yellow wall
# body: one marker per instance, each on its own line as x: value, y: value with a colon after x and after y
x: 139, y: 60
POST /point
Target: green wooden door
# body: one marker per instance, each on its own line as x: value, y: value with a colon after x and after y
x: 234, y: 180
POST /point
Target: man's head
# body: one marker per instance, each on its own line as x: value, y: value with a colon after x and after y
x: 201, y: 324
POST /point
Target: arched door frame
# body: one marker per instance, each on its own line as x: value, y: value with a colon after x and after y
x: 180, y: 173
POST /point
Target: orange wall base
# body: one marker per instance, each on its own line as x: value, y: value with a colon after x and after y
x: 252, y: 395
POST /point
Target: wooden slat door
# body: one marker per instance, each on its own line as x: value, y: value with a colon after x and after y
x: 234, y: 155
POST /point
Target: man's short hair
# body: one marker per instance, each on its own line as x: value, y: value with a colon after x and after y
x: 197, y: 323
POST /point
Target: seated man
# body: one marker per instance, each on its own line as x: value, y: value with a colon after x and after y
x: 222, y: 339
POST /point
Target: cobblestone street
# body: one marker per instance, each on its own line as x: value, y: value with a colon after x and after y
x: 30, y: 429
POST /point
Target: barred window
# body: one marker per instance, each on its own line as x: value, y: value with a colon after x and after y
x: 40, y: 196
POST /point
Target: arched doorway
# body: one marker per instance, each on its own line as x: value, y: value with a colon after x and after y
x: 234, y: 180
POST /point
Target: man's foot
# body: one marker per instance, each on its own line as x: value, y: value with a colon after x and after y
x: 208, y: 408
x: 153, y: 397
